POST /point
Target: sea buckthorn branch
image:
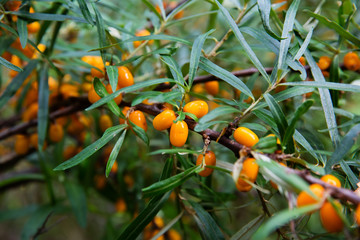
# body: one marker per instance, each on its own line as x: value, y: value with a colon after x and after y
x: 213, y: 53
x: 79, y: 104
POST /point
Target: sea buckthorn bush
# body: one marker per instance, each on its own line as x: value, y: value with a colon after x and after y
x: 187, y: 119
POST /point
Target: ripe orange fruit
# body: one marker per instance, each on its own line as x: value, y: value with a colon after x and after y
x: 210, y: 160
x: 178, y: 15
x: 125, y: 77
x: 173, y: 235
x: 100, y: 181
x: 31, y: 112
x: 92, y: 95
x: 198, y: 88
x: 105, y: 122
x: 250, y: 171
x: 69, y: 152
x: 302, y: 60
x: 114, y: 167
x: 12, y: 5
x: 164, y: 120
x: 118, y: 99
x: 34, y: 141
x: 97, y: 61
x: 277, y: 139
x: 124, y: 111
x: 56, y: 132
x: 352, y: 61
x: 179, y: 133
x: 17, y: 62
x: 305, y: 199
x: 142, y: 33
x: 69, y: 90
x: 324, y: 62
x: 212, y: 87
x: 330, y: 220
x: 21, y: 144
x: 357, y: 215
x: 120, y: 205
x: 199, y: 108
x: 33, y: 27
x: 138, y: 118
x: 245, y: 136
x: 330, y: 179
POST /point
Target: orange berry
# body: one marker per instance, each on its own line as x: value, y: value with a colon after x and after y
x: 56, y: 132
x: 164, y: 120
x: 125, y: 77
x: 31, y: 112
x: 69, y: 152
x: 118, y: 99
x: 179, y: 14
x: 142, y: 33
x: 98, y: 63
x: 34, y: 141
x: 33, y: 27
x: 302, y: 60
x: 199, y: 108
x: 124, y: 111
x: 210, y: 160
x: 120, y: 205
x: 324, y: 62
x: 357, y: 215
x: 277, y: 139
x: 158, y: 222
x: 7, y: 56
x: 332, y: 180
x: 105, y: 122
x: 114, y: 167
x: 198, y: 88
x: 21, y: 144
x: 69, y: 90
x: 138, y: 118
x: 212, y: 87
x: 100, y: 181
x: 12, y: 5
x: 179, y: 133
x: 17, y: 62
x: 250, y: 171
x: 245, y: 136
x: 173, y: 235
x: 352, y: 61
x: 330, y: 219
x: 92, y: 95
x: 305, y: 199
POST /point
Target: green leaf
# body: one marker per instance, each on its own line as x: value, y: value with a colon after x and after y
x: 77, y: 198
x: 12, y: 214
x: 43, y: 112
x: 140, y: 133
x: 307, y: 146
x: 48, y: 17
x: 9, y: 65
x: 327, y: 85
x: 207, y: 225
x: 85, y: 11
x: 102, y: 92
x: 35, y: 222
x: 195, y: 55
x: 23, y: 33
x: 100, y: 30
x: 336, y: 27
x: 302, y: 109
x: 218, y: 112
x: 286, y: 34
x: 325, y: 99
x: 148, y: 37
x: 153, y: 9
x: 174, y: 150
x: 246, y: 231
x: 250, y: 53
x: 343, y: 148
x: 17, y: 82
x: 109, y: 134
x: 335, y: 77
x: 114, y: 153
x: 21, y: 177
x: 202, y: 126
x: 169, y: 183
x: 277, y: 114
x: 112, y: 72
x: 264, y: 7
x: 305, y: 45
x: 281, y: 218
x: 175, y: 70
x: 266, y: 144
x: 134, y: 229
x: 128, y: 89
x: 225, y: 75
